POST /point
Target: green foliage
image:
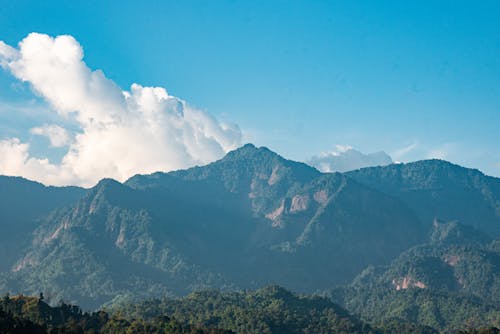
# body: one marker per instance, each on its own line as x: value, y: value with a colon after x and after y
x: 10, y: 324
x: 31, y: 315
x: 450, y: 283
x: 268, y: 310
x: 439, y: 189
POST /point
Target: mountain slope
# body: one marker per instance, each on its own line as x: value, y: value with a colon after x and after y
x: 22, y: 203
x: 451, y: 280
x: 439, y: 189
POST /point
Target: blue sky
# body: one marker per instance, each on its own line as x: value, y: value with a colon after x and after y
x: 415, y: 79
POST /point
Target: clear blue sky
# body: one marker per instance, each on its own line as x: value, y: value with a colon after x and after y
x: 416, y: 79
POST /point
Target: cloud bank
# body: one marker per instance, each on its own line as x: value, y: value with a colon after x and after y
x: 120, y: 133
x: 345, y: 158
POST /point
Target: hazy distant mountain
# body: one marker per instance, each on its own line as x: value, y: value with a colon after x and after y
x: 439, y: 189
x: 345, y: 158
x: 22, y: 203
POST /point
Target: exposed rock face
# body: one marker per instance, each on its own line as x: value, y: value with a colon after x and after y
x: 120, y: 241
x: 275, y: 215
x: 321, y: 196
x: 406, y: 282
x: 274, y: 178
x: 299, y: 203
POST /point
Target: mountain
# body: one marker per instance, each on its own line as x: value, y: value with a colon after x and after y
x: 250, y: 219
x: 254, y: 218
x: 452, y: 280
x: 22, y: 203
x: 439, y: 189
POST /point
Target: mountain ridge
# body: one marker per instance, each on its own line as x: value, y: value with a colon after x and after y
x: 250, y: 219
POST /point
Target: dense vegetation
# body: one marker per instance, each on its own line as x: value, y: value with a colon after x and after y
x: 32, y: 315
x: 268, y: 310
x: 451, y: 281
x: 439, y: 189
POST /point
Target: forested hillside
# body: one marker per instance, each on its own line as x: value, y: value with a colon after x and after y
x: 271, y: 310
x: 451, y: 281
x: 23, y: 204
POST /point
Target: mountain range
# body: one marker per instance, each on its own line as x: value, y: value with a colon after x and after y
x: 254, y: 218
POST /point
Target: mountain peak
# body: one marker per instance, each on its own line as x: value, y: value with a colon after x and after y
x: 250, y: 151
x: 248, y: 146
x: 105, y: 187
x: 107, y: 182
x: 236, y: 170
x: 249, y: 161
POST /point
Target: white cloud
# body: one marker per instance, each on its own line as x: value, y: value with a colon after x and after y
x: 121, y: 133
x: 58, y: 136
x: 15, y: 160
x: 7, y: 53
x: 345, y: 158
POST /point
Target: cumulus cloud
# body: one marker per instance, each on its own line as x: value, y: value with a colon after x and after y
x: 6, y: 53
x: 15, y: 160
x: 121, y: 133
x: 344, y: 158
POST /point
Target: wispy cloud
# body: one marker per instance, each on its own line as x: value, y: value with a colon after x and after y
x: 402, y: 152
x: 57, y: 135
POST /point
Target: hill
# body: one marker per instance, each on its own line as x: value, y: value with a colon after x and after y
x: 451, y: 281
